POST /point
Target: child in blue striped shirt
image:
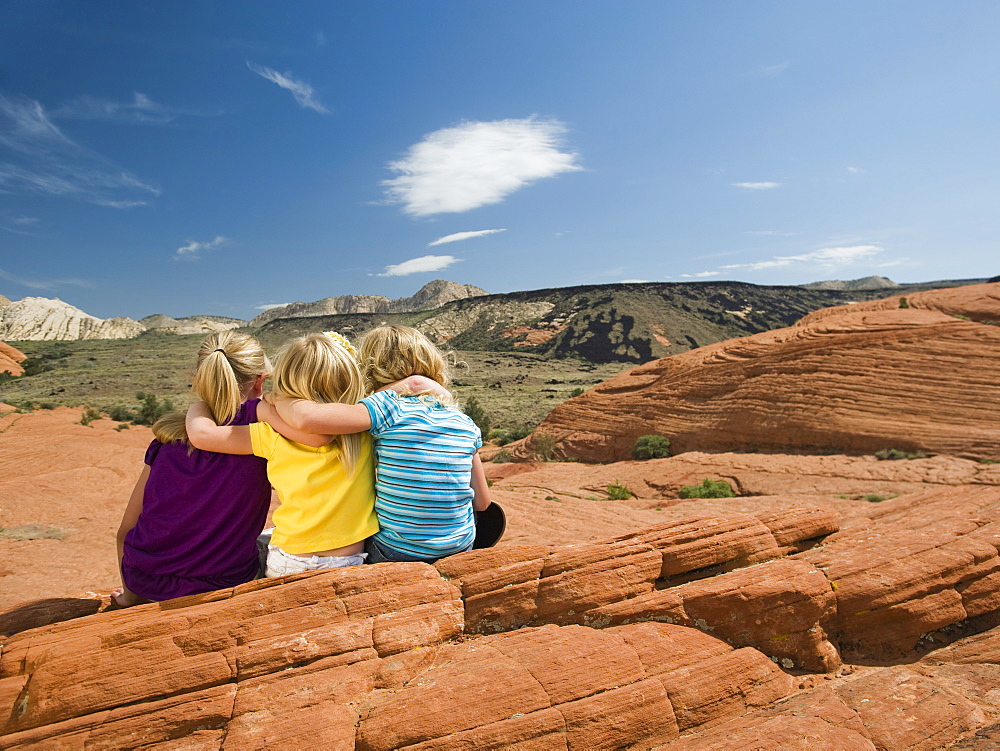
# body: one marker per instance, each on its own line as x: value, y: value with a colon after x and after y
x: 428, y: 478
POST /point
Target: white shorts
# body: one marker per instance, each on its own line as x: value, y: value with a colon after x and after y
x: 280, y: 563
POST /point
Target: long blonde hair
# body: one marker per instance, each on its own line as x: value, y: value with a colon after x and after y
x: 391, y: 353
x: 228, y: 364
x: 319, y: 368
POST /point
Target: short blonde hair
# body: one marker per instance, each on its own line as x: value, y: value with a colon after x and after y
x: 228, y: 363
x: 391, y: 353
x: 318, y: 368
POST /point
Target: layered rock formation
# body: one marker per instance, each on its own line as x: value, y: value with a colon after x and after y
x: 704, y: 632
x: 867, y: 282
x: 859, y: 378
x: 11, y: 359
x: 39, y: 318
x: 190, y: 324
x: 431, y: 295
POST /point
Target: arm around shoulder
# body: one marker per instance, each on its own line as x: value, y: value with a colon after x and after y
x: 326, y: 419
x: 205, y: 434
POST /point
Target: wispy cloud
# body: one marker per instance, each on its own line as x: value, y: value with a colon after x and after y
x: 773, y: 71
x: 769, y: 233
x: 757, y: 186
x: 192, y: 251
x: 44, y: 284
x: 701, y: 274
x: 825, y: 257
x: 142, y: 110
x: 419, y: 265
x: 320, y: 38
x: 271, y: 306
x: 476, y: 164
x: 463, y: 236
x: 37, y: 157
x: 302, y: 91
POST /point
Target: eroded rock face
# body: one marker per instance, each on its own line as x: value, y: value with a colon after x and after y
x: 39, y: 318
x: 190, y: 324
x: 853, y: 379
x: 431, y: 295
x: 711, y: 631
x: 11, y: 359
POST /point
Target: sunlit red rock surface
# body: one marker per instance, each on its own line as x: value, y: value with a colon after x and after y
x: 839, y: 602
x: 850, y: 379
x: 11, y: 359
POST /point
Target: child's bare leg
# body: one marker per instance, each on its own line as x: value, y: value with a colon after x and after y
x: 125, y: 598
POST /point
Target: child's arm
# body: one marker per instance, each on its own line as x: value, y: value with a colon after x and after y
x: 269, y: 414
x: 481, y: 498
x: 131, y: 515
x: 312, y: 417
x: 205, y: 434
x: 418, y: 384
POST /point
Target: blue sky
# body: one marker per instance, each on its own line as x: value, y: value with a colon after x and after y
x: 218, y: 158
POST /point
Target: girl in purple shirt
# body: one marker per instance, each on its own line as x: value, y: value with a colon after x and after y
x: 192, y: 521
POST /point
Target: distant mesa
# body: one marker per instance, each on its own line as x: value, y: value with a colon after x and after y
x: 431, y: 295
x: 190, y: 324
x: 11, y: 359
x: 867, y: 282
x: 42, y: 319
x: 854, y: 379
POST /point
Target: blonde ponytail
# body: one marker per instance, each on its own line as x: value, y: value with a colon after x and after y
x: 228, y: 364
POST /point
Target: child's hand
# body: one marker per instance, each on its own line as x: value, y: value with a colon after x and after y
x: 418, y: 384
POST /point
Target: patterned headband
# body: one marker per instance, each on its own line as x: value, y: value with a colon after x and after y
x: 341, y: 341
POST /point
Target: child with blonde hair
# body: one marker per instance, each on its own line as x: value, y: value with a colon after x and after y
x: 192, y: 520
x: 326, y: 493
x: 428, y: 476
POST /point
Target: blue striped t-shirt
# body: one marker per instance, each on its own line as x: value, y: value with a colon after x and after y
x: 423, y: 497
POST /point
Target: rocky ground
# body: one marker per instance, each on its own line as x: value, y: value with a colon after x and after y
x: 796, y: 616
x: 838, y: 602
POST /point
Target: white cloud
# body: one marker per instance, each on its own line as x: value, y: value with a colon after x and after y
x: 141, y: 110
x: 770, y: 233
x: 40, y: 158
x: 463, y: 236
x: 271, y: 306
x: 320, y: 38
x: 46, y: 284
x: 25, y: 220
x: 476, y: 164
x: 701, y: 274
x: 419, y: 265
x: 190, y: 252
x: 854, y: 170
x: 302, y: 91
x: 827, y: 257
x: 772, y: 71
x: 757, y: 186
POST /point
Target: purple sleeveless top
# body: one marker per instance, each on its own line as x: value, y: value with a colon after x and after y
x: 201, y: 514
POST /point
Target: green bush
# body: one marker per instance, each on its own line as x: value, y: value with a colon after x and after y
x: 502, y: 457
x: 477, y: 413
x: 151, y: 409
x: 121, y: 413
x: 618, y: 492
x: 576, y: 392
x: 545, y: 446
x: 708, y: 489
x: 651, y: 447
x: 876, y: 498
x: 896, y: 454
x: 904, y: 303
x: 89, y: 415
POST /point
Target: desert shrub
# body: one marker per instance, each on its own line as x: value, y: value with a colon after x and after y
x: 708, y: 489
x: 896, y: 454
x: 477, y: 413
x: 618, y: 492
x: 121, y: 413
x: 502, y: 457
x: 545, y: 446
x: 960, y: 317
x: 904, y: 303
x: 89, y: 415
x: 151, y: 409
x: 576, y: 392
x: 876, y: 498
x: 651, y: 447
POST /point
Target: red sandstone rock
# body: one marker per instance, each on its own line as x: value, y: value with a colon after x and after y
x: 814, y: 386
x: 10, y: 359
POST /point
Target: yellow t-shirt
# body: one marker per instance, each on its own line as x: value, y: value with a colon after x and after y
x: 322, y: 506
